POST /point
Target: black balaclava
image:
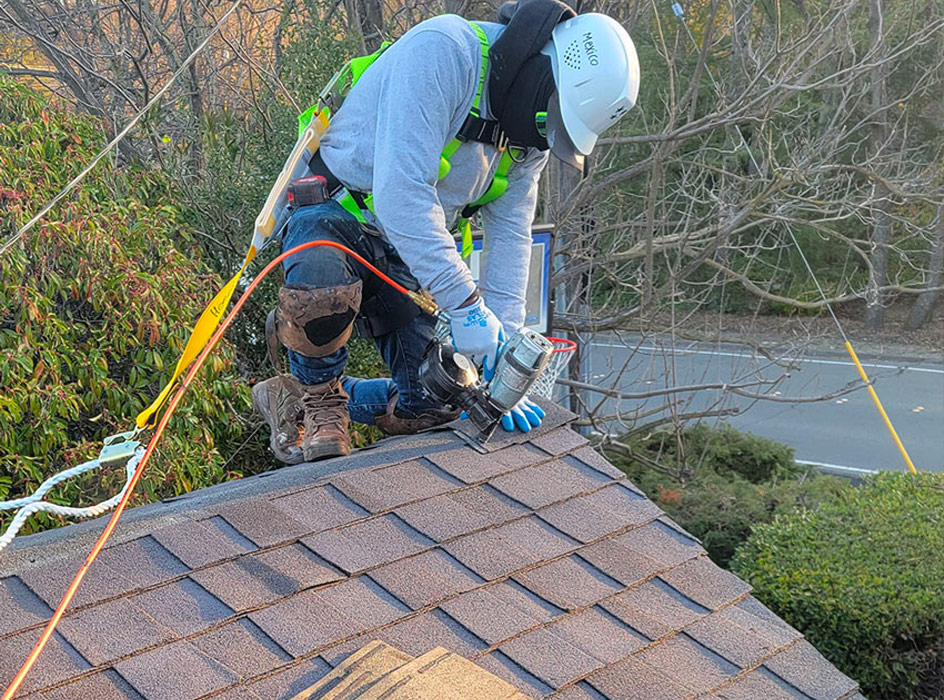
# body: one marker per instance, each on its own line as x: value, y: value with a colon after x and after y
x: 521, y: 81
x: 529, y: 94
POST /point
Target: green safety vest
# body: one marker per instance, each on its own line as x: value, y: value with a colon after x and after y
x: 348, y: 77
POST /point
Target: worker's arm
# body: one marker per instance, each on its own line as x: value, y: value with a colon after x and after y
x: 507, y: 223
x: 428, y: 78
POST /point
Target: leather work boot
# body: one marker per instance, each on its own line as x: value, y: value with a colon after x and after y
x: 392, y: 424
x: 279, y: 401
x: 325, y: 421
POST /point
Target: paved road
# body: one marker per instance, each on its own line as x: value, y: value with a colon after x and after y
x: 845, y: 432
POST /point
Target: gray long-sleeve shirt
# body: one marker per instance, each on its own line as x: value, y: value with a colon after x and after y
x: 387, y: 139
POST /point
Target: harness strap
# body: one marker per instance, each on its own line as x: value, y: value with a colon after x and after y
x: 495, y: 190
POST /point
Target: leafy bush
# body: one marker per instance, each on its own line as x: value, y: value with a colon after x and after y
x: 710, y: 482
x: 95, y: 305
x: 723, y: 450
x: 245, y: 151
x: 862, y: 578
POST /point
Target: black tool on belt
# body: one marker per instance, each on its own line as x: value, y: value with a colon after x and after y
x: 306, y: 191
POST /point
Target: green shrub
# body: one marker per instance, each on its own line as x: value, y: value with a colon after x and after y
x: 723, y: 450
x: 711, y: 483
x: 96, y: 303
x: 863, y: 578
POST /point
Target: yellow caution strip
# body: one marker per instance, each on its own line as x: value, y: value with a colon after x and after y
x: 296, y: 166
x: 881, y: 409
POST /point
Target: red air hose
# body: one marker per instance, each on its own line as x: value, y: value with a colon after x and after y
x: 159, y: 431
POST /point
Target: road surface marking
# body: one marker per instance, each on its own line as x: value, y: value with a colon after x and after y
x: 680, y: 351
x: 836, y: 467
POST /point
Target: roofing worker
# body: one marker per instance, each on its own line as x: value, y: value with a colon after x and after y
x: 440, y: 118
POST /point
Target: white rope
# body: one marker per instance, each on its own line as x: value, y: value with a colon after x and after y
x: 114, y: 142
x: 34, y: 503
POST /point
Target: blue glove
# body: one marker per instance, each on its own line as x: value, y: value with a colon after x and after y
x: 476, y: 333
x: 525, y: 415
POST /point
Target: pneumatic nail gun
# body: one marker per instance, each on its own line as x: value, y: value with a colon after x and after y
x: 453, y: 379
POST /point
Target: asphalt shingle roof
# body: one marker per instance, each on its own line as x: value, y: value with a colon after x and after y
x: 538, y: 560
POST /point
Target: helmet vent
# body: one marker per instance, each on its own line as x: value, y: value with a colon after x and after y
x: 572, y: 55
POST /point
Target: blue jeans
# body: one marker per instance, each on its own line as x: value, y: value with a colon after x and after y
x: 401, y: 348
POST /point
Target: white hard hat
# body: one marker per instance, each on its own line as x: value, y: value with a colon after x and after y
x: 596, y: 72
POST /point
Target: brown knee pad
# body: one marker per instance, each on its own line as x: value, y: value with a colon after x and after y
x: 314, y: 321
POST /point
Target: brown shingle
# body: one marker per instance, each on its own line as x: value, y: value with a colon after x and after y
x: 688, y: 663
x: 184, y: 607
x: 547, y: 483
x: 291, y: 681
x: 759, y: 683
x: 200, y: 543
x: 417, y: 635
x: 107, y: 685
x: 365, y: 600
x: 517, y: 456
x: 261, y: 522
x: 320, y: 508
x: 661, y: 543
x: 550, y: 657
x: 19, y: 606
x: 600, y: 634
x: 176, y: 671
x: 50, y: 582
x: 388, y: 487
x: 467, y: 465
x: 243, y: 648
x: 426, y: 578
x: 238, y: 692
x: 459, y: 513
x: 621, y: 563
x: 498, y: 612
x: 263, y: 577
x: 630, y: 679
x: 614, y: 508
x: 739, y: 636
x: 305, y: 622
x: 803, y: 666
x: 314, y: 619
x: 499, y: 552
x: 568, y: 583
x: 103, y: 632
x: 592, y: 459
x: 755, y: 607
x: 580, y: 691
x: 58, y: 661
x: 559, y: 441
x: 706, y: 583
x: 654, y: 609
x: 506, y: 669
x: 143, y: 562
x: 369, y: 543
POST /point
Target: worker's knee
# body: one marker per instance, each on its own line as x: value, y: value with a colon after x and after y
x: 315, y: 321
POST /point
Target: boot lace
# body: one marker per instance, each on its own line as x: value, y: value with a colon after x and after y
x: 323, y: 406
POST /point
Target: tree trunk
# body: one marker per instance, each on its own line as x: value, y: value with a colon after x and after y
x: 371, y: 17
x: 881, y: 221
x: 570, y: 235
x: 923, y: 307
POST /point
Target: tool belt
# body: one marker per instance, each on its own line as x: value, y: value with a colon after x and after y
x: 335, y: 187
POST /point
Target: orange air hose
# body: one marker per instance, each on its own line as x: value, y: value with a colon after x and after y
x: 423, y: 302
